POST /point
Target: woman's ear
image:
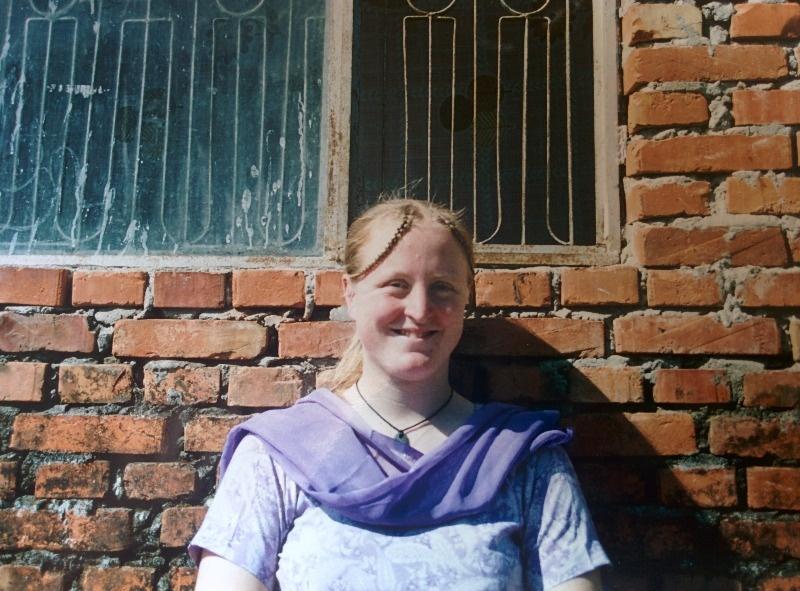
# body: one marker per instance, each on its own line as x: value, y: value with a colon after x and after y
x: 348, y: 289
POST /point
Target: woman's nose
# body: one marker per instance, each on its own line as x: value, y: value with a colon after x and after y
x: 418, y: 303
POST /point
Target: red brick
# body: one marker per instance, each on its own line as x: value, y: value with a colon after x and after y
x: 159, y: 480
x: 189, y: 289
x: 8, y: 480
x: 183, y: 578
x: 189, y: 339
x: 709, y: 153
x: 764, y: 195
x: 95, y: 383
x: 696, y: 335
x: 752, y: 539
x: 181, y: 385
x: 34, y: 287
x: 512, y: 289
x: 699, y: 583
x: 19, y: 577
x: 605, y: 384
x: 766, y: 20
x: 683, y: 288
x: 753, y: 438
x: 21, y: 381
x: 314, y: 339
x: 600, y: 286
x: 699, y: 487
x: 772, y: 389
x: 691, y: 386
x: 328, y: 289
x: 794, y: 335
x: 634, y: 434
x: 264, y: 386
x: 657, y: 246
x: 773, y: 488
x: 536, y: 337
x: 124, y: 289
x: 779, y: 289
x: 794, y: 248
x: 666, y: 109
x: 780, y: 584
x: 647, y: 535
x: 609, y: 483
x: 45, y: 332
x: 666, y: 198
x: 208, y: 433
x: 759, y: 107
x: 84, y: 433
x: 698, y: 63
x: 517, y: 382
x: 119, y: 578
x: 263, y: 288
x: 62, y: 480
x: 658, y: 22
x: 179, y: 524
x: 108, y: 530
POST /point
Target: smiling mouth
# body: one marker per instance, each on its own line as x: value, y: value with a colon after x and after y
x: 418, y: 334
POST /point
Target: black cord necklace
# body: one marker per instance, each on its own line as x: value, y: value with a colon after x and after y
x: 401, y: 433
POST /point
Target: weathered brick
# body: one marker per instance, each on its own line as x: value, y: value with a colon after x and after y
x: 8, y: 480
x: 34, y: 287
x: 104, y: 384
x: 666, y: 198
x: 189, y: 339
x: 20, y: 577
x: 314, y: 339
x: 657, y: 22
x: 691, y: 386
x: 794, y: 248
x: 774, y: 195
x: 537, y: 337
x: 21, y: 381
x: 779, y: 289
x: 766, y: 20
x: 512, y: 289
x: 661, y: 536
x: 605, y: 384
x: 119, y: 578
x: 124, y: 289
x: 264, y: 386
x: 515, y: 382
x: 666, y: 109
x: 773, y: 488
x: 658, y: 246
x: 62, y: 480
x: 794, y: 335
x: 262, y: 288
x: 753, y: 438
x: 179, y: 524
x: 600, y: 286
x: 189, y: 289
x: 45, y: 332
x: 84, y: 433
x: 634, y: 434
x: 699, y: 487
x: 328, y: 288
x: 108, y: 530
x: 159, y: 480
x: 767, y: 538
x: 701, y: 63
x: 760, y: 107
x: 183, y: 578
x: 181, y: 385
x: 611, y: 483
x: 683, y: 287
x: 696, y: 335
x: 709, y: 153
x: 780, y: 584
x: 772, y: 389
x: 208, y: 433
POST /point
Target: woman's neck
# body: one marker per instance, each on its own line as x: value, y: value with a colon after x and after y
x: 394, y: 399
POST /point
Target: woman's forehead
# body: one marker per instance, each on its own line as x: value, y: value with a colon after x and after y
x: 427, y: 234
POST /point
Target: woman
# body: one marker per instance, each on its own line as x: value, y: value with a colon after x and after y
x: 397, y: 481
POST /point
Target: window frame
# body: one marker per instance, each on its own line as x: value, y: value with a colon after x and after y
x: 335, y: 171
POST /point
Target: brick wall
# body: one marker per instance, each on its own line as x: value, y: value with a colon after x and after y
x: 679, y: 367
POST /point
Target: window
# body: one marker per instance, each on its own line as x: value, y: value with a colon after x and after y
x: 219, y: 128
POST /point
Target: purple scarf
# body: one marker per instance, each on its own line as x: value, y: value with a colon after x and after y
x: 327, y: 449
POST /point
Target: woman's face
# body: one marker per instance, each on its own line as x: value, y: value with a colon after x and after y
x: 409, y: 310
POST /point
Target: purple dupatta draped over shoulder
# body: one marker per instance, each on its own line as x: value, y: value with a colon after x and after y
x: 327, y: 450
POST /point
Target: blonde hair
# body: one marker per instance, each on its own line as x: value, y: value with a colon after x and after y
x: 405, y: 213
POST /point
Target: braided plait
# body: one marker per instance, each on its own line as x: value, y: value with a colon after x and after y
x: 402, y: 229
